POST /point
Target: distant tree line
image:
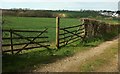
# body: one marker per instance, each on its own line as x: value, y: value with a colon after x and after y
x: 26, y: 13
x: 51, y: 13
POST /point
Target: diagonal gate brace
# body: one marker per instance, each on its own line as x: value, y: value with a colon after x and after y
x: 31, y: 41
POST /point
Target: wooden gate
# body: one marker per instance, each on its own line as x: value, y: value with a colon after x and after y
x: 15, y: 41
x: 68, y: 35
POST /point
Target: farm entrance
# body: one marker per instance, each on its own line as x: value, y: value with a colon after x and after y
x: 68, y: 35
x: 15, y: 41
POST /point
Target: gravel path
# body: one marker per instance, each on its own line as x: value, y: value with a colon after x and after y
x: 71, y: 64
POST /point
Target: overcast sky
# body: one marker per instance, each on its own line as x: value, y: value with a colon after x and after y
x: 62, y: 4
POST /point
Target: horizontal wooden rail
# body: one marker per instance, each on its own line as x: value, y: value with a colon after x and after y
x: 71, y: 27
x: 24, y: 43
x: 69, y: 43
x: 73, y: 41
x: 23, y: 31
x: 26, y: 48
x: 69, y: 40
x: 23, y: 38
x: 70, y: 33
x: 69, y: 36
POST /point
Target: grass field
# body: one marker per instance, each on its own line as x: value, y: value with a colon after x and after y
x: 32, y: 58
x: 38, y: 24
x: 32, y: 23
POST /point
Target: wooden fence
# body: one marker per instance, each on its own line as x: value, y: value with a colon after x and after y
x: 68, y: 35
x: 15, y: 41
x: 89, y: 28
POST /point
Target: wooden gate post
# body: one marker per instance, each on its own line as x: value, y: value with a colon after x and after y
x: 11, y: 41
x: 86, y: 27
x: 57, y: 31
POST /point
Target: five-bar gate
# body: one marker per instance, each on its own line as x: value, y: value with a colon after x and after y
x: 15, y: 41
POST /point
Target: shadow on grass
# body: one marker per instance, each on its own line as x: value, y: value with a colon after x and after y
x: 33, y: 58
x: 30, y: 60
x: 26, y: 61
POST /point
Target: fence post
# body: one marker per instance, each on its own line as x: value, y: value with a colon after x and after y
x: 84, y: 21
x: 11, y: 41
x: 64, y: 37
x: 57, y: 31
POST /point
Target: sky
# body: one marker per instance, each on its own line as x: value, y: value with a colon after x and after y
x: 62, y: 4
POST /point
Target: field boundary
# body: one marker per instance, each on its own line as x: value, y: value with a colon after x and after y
x: 24, y: 45
x: 73, y: 36
x: 95, y: 28
x: 68, y: 35
x: 90, y: 28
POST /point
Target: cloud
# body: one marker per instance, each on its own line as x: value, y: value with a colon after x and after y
x: 25, y: 1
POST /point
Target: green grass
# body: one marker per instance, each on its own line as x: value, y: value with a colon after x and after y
x: 32, y: 58
x: 32, y: 23
x: 111, y: 21
x: 36, y: 23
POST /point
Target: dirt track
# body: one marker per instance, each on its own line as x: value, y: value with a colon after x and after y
x: 71, y: 64
x: 111, y: 66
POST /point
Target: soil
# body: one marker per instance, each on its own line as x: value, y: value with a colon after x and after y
x: 71, y: 64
